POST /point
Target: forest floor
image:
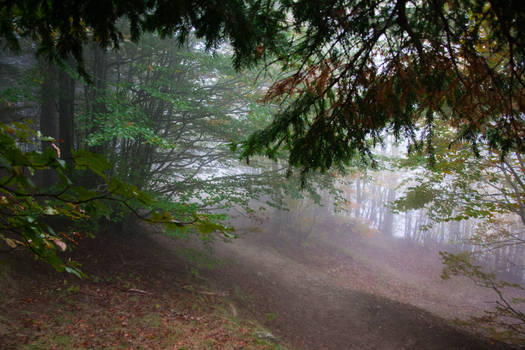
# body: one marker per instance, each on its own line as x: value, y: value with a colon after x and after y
x: 140, y: 296
x: 144, y: 294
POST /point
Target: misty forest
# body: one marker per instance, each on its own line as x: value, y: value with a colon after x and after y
x: 262, y: 174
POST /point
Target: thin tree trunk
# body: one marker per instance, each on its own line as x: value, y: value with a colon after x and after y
x: 99, y: 90
x: 66, y: 112
x: 48, y: 116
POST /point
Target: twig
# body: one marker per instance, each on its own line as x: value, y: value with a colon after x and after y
x: 204, y: 292
x: 140, y: 291
x: 132, y: 290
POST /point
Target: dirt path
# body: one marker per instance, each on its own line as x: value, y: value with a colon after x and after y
x: 308, y: 310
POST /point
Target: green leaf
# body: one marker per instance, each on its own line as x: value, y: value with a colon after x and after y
x: 92, y: 161
x: 207, y: 227
x: 75, y: 271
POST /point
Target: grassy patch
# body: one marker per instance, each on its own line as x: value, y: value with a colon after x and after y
x: 268, y: 345
x: 271, y: 316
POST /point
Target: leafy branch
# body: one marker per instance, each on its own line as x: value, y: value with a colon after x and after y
x: 30, y: 214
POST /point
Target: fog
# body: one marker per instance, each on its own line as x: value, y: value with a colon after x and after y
x: 171, y: 122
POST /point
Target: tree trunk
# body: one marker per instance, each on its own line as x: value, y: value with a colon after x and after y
x: 48, y: 116
x: 98, y: 90
x: 358, y: 197
x: 66, y: 110
x: 388, y: 218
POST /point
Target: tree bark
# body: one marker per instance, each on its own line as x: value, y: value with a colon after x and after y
x: 66, y: 110
x: 48, y: 116
x: 100, y: 64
